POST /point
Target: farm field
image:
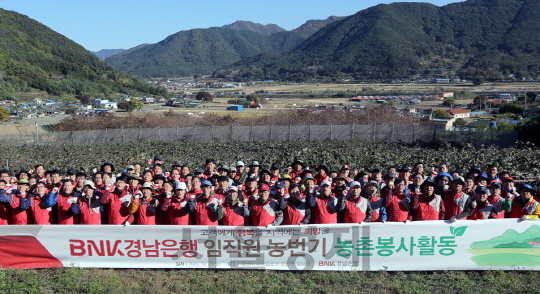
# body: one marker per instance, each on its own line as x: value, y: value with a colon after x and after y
x: 76, y: 280
x: 522, y: 163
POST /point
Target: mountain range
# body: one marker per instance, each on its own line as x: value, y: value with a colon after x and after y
x: 202, y: 51
x: 489, y: 38
x: 32, y: 56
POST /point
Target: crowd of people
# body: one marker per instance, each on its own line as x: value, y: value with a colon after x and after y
x: 255, y: 195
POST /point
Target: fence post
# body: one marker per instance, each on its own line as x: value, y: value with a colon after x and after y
x: 88, y: 137
x: 105, y: 136
x: 352, y: 131
x: 159, y: 133
x: 309, y: 132
x: 212, y: 132
x: 176, y: 133
x: 413, y: 128
x: 290, y: 133
x: 251, y: 134
x: 122, y: 134
x: 139, y: 136
x: 194, y: 130
x: 230, y: 137
x: 331, y: 137
x: 392, y: 135
x: 270, y: 139
x: 72, y: 139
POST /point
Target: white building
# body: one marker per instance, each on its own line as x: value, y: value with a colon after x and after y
x: 98, y: 103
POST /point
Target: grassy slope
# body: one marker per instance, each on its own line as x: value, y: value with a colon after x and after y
x: 76, y: 280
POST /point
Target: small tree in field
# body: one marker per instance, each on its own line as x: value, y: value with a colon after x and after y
x: 204, y: 96
x: 4, y: 114
x: 439, y: 113
x: 460, y: 122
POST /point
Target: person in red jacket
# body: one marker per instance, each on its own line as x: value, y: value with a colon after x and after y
x: 398, y: 203
x: 233, y: 208
x: 356, y: 209
x: 524, y: 206
x: 495, y: 199
x: 196, y: 189
x: 377, y: 203
x: 64, y: 199
x: 428, y: 205
x: 13, y: 199
x: 323, y: 204
x: 178, y: 207
x: 251, y: 193
x: 41, y: 210
x: 480, y: 208
x: 208, y: 210
x: 144, y: 207
x: 322, y: 173
x: 455, y: 201
x: 264, y: 211
x: 117, y: 202
x: 88, y: 208
x: 162, y: 217
x: 508, y: 194
x: 295, y: 209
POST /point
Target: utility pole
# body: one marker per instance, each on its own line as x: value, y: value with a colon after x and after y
x: 37, y: 138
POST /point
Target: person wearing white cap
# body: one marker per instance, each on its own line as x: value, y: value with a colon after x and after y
x: 323, y: 204
x: 88, y: 208
x: 178, y: 207
x: 356, y: 209
x: 145, y: 206
x: 233, y: 208
x: 240, y: 169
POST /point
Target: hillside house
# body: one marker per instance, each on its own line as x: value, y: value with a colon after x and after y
x: 459, y: 113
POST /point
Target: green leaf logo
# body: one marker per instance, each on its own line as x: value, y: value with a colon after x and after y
x: 458, y: 231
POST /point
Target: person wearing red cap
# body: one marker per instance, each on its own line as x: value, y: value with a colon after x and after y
x: 323, y: 204
x: 117, y: 202
x: 398, y: 203
x: 356, y: 209
x: 264, y: 211
x: 179, y: 207
x: 346, y: 172
x: 233, y: 208
x: 428, y: 205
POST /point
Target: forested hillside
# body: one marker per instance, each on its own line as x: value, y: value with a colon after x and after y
x: 488, y: 38
x: 202, y: 51
x: 34, y: 56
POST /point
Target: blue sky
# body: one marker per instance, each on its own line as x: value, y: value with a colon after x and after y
x: 122, y: 24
